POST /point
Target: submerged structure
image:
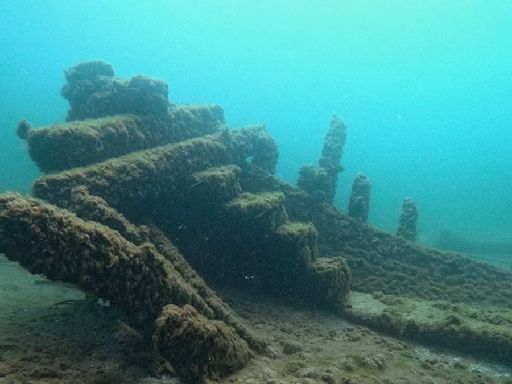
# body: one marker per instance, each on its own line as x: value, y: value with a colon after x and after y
x: 408, y: 220
x: 321, y: 181
x: 143, y: 199
x: 359, y: 203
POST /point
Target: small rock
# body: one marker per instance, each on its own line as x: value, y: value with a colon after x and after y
x: 310, y: 372
x: 291, y: 348
x: 348, y: 364
x: 459, y: 364
x: 375, y: 362
x: 294, y: 366
x: 328, y: 378
x: 353, y: 338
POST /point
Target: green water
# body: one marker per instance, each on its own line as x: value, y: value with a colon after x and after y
x: 424, y: 88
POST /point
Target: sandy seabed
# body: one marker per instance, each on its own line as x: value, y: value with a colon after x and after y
x: 53, y: 334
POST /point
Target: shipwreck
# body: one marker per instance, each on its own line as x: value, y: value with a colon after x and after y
x: 143, y: 202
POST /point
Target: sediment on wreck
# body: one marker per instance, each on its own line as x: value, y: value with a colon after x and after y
x: 154, y: 176
x: 94, y: 208
x: 80, y: 143
x: 136, y: 278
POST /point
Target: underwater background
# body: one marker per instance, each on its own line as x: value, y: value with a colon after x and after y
x: 423, y: 86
